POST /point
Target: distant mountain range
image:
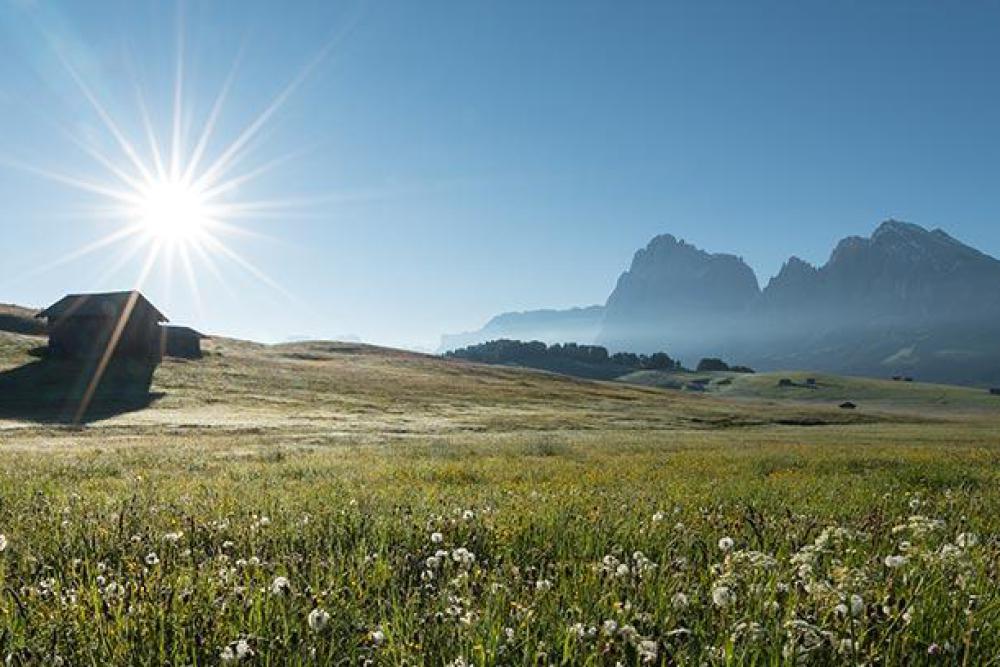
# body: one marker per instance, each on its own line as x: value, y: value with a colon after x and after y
x: 905, y: 301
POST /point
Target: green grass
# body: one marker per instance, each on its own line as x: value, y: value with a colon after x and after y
x: 944, y: 401
x: 165, y: 536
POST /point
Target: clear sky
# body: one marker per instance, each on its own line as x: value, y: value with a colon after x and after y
x: 447, y: 161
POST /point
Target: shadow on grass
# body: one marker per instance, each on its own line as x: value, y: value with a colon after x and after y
x: 53, y: 390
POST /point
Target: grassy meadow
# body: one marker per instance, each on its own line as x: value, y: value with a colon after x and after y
x: 338, y: 504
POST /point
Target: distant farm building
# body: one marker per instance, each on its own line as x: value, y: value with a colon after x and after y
x: 88, y: 326
x: 847, y: 405
x: 995, y: 391
x: 811, y: 382
x: 181, y: 342
x: 785, y: 382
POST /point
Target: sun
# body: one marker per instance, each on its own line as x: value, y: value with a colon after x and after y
x: 175, y: 192
x: 172, y: 211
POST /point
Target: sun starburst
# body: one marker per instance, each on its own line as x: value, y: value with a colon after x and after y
x: 175, y: 201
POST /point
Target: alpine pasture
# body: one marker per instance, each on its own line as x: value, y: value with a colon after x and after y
x: 335, y: 504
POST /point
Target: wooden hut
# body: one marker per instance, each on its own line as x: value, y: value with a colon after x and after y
x: 86, y: 326
x: 181, y: 342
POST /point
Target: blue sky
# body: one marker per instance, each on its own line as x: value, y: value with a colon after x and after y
x: 453, y: 160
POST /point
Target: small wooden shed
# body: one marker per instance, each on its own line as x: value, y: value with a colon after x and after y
x: 181, y: 342
x: 87, y: 326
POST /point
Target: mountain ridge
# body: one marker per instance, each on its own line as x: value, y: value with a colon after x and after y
x: 905, y: 299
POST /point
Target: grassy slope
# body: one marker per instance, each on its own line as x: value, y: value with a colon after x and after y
x: 870, y: 394
x: 18, y: 319
x: 357, y: 389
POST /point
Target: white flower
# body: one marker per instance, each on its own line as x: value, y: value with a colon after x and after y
x: 726, y: 543
x: 543, y: 585
x: 895, y: 561
x: 723, y: 596
x: 622, y: 570
x: 3, y: 542
x: 318, y: 618
x: 648, y: 651
x: 468, y: 515
x: 433, y: 563
x: 464, y: 557
x: 377, y: 638
x: 437, y: 538
x: 280, y: 586
x: 679, y: 601
x: 609, y: 627
x: 658, y: 517
x: 857, y: 606
x: 152, y: 558
x: 173, y: 537
x: 963, y: 540
x: 236, y: 652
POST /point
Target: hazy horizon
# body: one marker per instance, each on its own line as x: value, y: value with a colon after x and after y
x: 420, y: 179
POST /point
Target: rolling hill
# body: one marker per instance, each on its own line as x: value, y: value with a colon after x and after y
x: 825, y: 389
x: 18, y: 319
x: 354, y: 389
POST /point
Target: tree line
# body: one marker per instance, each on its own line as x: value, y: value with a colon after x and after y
x: 534, y: 353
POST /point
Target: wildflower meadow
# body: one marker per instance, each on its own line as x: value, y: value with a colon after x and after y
x: 329, y: 506
x: 656, y: 551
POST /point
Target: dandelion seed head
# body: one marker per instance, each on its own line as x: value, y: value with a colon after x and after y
x: 281, y: 586
x: 895, y: 561
x: 318, y: 619
x: 723, y: 596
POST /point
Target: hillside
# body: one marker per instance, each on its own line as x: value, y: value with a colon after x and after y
x: 363, y: 390
x: 869, y: 394
x: 17, y: 319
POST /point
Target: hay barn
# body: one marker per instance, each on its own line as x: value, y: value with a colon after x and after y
x: 181, y: 342
x: 85, y: 326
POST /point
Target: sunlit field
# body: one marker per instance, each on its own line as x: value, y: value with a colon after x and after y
x: 343, y: 505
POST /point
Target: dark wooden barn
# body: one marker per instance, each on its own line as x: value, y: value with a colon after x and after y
x: 181, y: 342
x: 86, y: 326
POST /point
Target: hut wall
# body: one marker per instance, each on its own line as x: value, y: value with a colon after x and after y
x: 83, y: 337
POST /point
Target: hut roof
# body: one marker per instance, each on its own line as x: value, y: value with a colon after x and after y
x: 107, y: 304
